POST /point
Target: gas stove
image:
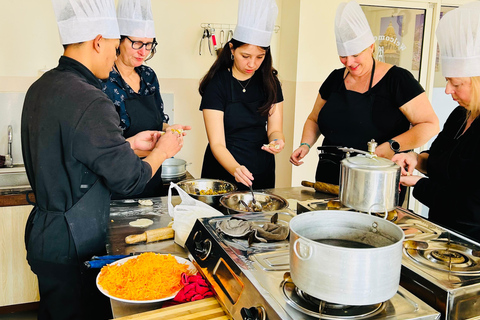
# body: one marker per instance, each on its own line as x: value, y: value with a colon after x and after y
x: 444, y: 270
x: 253, y: 282
x: 442, y: 267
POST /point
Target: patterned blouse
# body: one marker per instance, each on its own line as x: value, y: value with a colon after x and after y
x: 113, y: 88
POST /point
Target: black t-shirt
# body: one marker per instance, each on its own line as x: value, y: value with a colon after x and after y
x: 218, y: 91
x: 397, y: 87
x: 451, y: 190
x: 244, y: 127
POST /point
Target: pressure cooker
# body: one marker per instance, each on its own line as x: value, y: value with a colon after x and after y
x: 368, y: 183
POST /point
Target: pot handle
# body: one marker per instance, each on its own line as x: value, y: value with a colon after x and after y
x: 378, y: 204
x: 300, y: 255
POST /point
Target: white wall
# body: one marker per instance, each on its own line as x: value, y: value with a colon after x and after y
x: 304, y: 52
x: 31, y: 43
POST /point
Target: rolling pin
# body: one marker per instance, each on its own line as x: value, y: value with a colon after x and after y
x: 322, y: 187
x: 151, y: 235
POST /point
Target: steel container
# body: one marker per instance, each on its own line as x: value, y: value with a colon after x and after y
x: 345, y: 257
x: 269, y: 202
x: 197, y: 188
x: 174, y: 168
x: 369, y: 183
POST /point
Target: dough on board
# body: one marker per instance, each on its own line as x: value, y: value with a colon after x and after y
x: 146, y: 202
x: 141, y: 223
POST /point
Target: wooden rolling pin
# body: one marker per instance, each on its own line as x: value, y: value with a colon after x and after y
x: 151, y: 235
x: 322, y: 187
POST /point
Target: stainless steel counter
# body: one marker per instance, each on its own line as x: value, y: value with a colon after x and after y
x: 122, y: 212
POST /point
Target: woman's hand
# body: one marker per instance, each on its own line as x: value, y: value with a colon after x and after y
x: 275, y: 146
x: 299, y: 154
x: 178, y: 128
x: 406, y: 161
x: 244, y: 176
x: 409, y: 181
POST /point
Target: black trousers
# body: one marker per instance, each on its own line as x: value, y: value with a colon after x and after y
x: 69, y: 292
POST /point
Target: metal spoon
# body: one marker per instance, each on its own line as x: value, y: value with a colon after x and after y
x: 257, y: 206
x: 246, y: 205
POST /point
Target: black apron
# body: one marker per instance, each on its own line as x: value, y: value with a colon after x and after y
x: 353, y: 127
x: 144, y: 115
x: 245, y: 134
x: 49, y: 235
x: 57, y: 244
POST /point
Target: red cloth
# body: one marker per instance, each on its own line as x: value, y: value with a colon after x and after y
x: 195, y: 288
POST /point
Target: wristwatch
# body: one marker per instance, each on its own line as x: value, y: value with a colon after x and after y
x: 394, y: 145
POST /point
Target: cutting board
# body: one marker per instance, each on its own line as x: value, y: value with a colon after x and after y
x: 206, y: 309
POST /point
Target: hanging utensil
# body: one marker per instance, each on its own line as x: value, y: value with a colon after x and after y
x: 222, y: 38
x: 204, y: 36
x: 214, y: 39
x: 229, y: 35
x: 209, y: 36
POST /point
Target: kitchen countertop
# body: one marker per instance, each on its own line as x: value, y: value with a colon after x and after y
x: 18, y: 196
x: 124, y: 211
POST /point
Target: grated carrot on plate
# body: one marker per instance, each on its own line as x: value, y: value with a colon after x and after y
x: 149, y: 276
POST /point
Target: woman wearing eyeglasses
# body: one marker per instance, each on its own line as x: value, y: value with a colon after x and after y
x: 132, y: 86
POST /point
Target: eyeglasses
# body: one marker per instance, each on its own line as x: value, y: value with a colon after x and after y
x: 137, y: 45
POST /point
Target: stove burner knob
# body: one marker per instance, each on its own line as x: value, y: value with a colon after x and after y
x: 254, y: 313
x: 197, y: 236
x: 203, y: 249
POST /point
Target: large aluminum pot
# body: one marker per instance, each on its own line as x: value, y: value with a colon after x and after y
x: 345, y: 257
x: 174, y: 168
x: 369, y: 183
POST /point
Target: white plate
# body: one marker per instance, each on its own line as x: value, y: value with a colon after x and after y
x: 191, y: 268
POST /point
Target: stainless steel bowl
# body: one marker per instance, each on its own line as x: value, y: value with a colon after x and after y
x: 194, y: 187
x: 269, y: 202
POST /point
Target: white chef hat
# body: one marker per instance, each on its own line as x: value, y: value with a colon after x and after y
x: 458, y: 35
x: 135, y: 18
x: 83, y: 20
x: 256, y: 21
x: 352, y: 32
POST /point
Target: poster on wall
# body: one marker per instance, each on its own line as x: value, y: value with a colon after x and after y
x: 390, y: 39
x: 418, y: 41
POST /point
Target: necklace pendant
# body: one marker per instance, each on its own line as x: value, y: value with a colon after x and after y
x: 244, y: 90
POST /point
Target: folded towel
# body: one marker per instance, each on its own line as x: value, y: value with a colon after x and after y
x: 271, y: 232
x: 235, y: 227
x: 195, y: 288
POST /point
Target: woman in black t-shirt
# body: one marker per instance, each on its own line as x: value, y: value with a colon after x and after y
x: 242, y: 105
x: 368, y: 99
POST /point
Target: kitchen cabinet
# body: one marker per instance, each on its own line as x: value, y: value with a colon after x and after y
x: 18, y: 284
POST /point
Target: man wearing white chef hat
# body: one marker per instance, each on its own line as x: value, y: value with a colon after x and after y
x: 242, y: 103
x: 74, y: 151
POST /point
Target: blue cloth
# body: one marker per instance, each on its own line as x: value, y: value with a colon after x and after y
x: 114, y: 89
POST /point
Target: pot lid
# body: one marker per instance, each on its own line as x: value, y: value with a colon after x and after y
x: 370, y: 162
